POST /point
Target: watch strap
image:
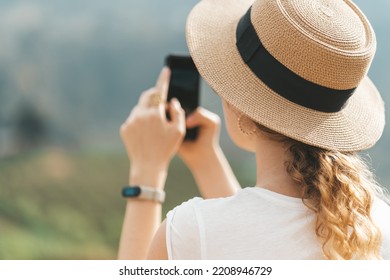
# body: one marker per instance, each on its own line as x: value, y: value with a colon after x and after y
x: 144, y: 193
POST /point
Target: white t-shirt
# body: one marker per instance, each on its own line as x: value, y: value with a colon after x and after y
x: 253, y: 224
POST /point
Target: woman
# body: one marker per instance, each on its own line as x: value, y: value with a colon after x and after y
x: 292, y: 78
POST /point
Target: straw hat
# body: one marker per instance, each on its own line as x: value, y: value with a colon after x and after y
x: 298, y: 67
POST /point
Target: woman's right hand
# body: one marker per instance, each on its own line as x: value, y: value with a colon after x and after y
x: 205, y: 159
x: 207, y: 142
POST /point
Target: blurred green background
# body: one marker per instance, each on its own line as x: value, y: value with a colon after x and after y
x: 70, y: 72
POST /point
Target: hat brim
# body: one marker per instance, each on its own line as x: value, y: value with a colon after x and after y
x: 211, y: 38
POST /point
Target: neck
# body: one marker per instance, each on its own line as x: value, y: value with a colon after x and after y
x: 271, y: 157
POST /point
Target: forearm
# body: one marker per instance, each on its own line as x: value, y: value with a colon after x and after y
x: 150, y: 141
x: 214, y: 176
x: 141, y: 221
x: 142, y: 217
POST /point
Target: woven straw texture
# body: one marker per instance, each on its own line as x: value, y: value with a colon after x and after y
x: 328, y: 42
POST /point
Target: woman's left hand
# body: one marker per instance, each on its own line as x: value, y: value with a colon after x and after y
x: 151, y: 140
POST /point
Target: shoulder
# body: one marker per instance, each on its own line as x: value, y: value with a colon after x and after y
x: 190, y: 207
x: 381, y: 217
x: 186, y: 225
x: 182, y: 232
x: 380, y: 211
x: 184, y: 212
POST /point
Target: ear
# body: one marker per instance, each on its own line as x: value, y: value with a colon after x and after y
x: 247, y: 126
x: 237, y: 127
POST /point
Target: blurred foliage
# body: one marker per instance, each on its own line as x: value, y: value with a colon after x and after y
x: 60, y: 205
x: 56, y: 204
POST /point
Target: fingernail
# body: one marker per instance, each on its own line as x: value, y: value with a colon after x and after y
x: 166, y: 69
x: 176, y: 102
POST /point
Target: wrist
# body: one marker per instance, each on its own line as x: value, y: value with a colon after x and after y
x: 153, y: 176
x: 203, y: 157
x: 145, y: 193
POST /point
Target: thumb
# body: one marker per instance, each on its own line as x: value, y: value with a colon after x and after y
x: 177, y: 114
x: 202, y: 117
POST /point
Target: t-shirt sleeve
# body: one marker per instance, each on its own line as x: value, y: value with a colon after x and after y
x: 183, y: 233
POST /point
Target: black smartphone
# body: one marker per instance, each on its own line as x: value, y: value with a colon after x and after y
x: 184, y: 85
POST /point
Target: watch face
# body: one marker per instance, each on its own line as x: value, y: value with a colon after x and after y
x: 131, y: 191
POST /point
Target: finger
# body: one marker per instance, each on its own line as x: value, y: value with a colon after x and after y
x: 162, y: 83
x: 202, y: 117
x: 145, y: 97
x: 177, y: 114
x: 161, y: 88
x: 147, y: 103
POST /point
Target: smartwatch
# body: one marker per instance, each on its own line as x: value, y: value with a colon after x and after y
x: 143, y: 193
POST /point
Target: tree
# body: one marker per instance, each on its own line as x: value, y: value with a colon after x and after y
x: 30, y: 127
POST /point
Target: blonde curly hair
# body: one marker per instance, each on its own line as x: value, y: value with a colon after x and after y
x: 340, y: 188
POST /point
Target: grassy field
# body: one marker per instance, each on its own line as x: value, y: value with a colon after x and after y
x: 60, y: 205
x: 56, y: 204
